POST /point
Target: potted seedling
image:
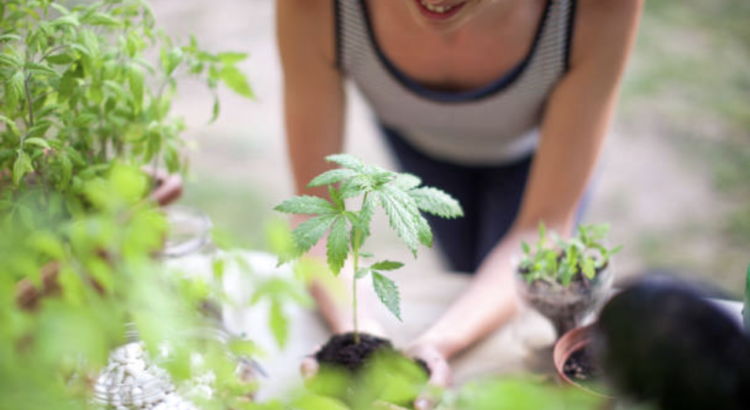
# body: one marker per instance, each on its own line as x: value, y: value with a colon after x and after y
x: 403, y: 200
x: 80, y: 92
x: 566, y: 280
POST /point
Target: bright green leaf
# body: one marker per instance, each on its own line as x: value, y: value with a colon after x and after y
x: 21, y: 167
x: 236, y: 80
x: 39, y: 142
x: 387, y: 293
x: 361, y: 273
x: 337, y: 245
x: 231, y: 58
x: 331, y: 177
x: 308, y: 233
x: 136, y: 81
x: 278, y: 323
x: 387, y: 265
x: 306, y: 205
x: 436, y: 202
x: 346, y: 161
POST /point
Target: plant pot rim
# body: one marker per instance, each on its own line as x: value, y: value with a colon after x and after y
x: 571, y: 342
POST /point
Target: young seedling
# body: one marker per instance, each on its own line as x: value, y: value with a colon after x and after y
x: 403, y: 201
x: 560, y: 261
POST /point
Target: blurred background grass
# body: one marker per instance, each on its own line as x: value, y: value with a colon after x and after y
x: 673, y: 177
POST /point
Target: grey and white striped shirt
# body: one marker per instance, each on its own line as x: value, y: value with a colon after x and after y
x: 490, y: 126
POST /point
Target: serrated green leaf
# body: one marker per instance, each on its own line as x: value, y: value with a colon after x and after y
x: 361, y: 273
x: 41, y: 69
x: 278, y: 323
x: 406, y: 181
x: 366, y: 255
x: 14, y: 91
x: 136, y: 81
x: 236, y: 81
x: 306, y: 205
x: 387, y: 265
x: 231, y: 58
x: 9, y: 37
x: 11, y: 125
x: 436, y: 202
x: 21, y: 167
x: 615, y: 250
x: 331, y: 177
x: 101, y: 19
x: 588, y: 268
x: 387, y: 293
x: 336, y: 198
x: 337, y: 247
x: 60, y: 59
x: 346, y: 161
x: 308, y: 233
x: 424, y: 232
x: 402, y: 215
x: 66, y: 21
x: 39, y: 142
x: 10, y: 60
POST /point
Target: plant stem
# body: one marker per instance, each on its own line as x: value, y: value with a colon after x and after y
x: 354, y: 284
x: 29, y: 100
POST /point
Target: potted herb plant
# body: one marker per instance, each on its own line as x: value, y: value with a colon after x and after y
x: 566, y: 280
x: 403, y: 200
x: 79, y: 91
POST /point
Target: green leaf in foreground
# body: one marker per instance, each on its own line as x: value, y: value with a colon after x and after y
x: 436, y: 202
x: 236, y: 80
x: 278, y: 323
x: 308, y: 233
x: 306, y: 205
x: 387, y: 293
x: 387, y: 265
x: 338, y: 245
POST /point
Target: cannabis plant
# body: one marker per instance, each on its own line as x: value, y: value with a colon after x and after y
x: 398, y: 194
x: 78, y: 89
x: 558, y: 260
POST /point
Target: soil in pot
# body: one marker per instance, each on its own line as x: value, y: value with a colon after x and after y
x: 584, y: 369
x: 565, y: 307
x: 342, y: 351
x: 368, y: 371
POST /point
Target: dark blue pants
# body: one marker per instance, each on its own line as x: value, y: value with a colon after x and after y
x: 490, y: 196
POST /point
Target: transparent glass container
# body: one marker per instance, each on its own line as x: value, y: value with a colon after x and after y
x: 189, y: 231
x: 567, y: 307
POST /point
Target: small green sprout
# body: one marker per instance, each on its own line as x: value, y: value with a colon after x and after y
x: 561, y: 260
x: 400, y: 196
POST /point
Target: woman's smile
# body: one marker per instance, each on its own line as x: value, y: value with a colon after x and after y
x: 439, y: 11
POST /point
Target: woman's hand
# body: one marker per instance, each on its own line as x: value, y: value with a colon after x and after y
x: 441, y: 375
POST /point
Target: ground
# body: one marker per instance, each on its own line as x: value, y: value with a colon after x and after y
x: 670, y: 181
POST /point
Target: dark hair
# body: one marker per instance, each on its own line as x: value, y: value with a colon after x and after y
x: 661, y: 342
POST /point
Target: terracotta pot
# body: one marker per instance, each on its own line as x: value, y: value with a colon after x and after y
x: 569, y: 343
x: 167, y: 187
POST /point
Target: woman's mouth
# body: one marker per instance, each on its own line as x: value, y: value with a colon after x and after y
x: 438, y: 12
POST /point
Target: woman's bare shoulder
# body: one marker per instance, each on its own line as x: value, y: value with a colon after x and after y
x: 307, y: 27
x: 603, y: 26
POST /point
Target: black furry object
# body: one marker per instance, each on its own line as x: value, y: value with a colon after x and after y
x: 661, y: 342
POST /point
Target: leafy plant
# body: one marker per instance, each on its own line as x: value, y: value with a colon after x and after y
x: 559, y: 261
x: 77, y: 90
x: 400, y: 196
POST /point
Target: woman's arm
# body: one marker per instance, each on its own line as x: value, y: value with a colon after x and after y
x: 575, y: 124
x: 314, y: 102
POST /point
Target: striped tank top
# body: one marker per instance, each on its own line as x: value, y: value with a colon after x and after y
x: 496, y: 124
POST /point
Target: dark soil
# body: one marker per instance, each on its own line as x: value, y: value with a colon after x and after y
x: 341, y: 351
x: 583, y: 368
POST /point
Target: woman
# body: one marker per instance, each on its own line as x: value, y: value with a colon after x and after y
x: 502, y: 103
